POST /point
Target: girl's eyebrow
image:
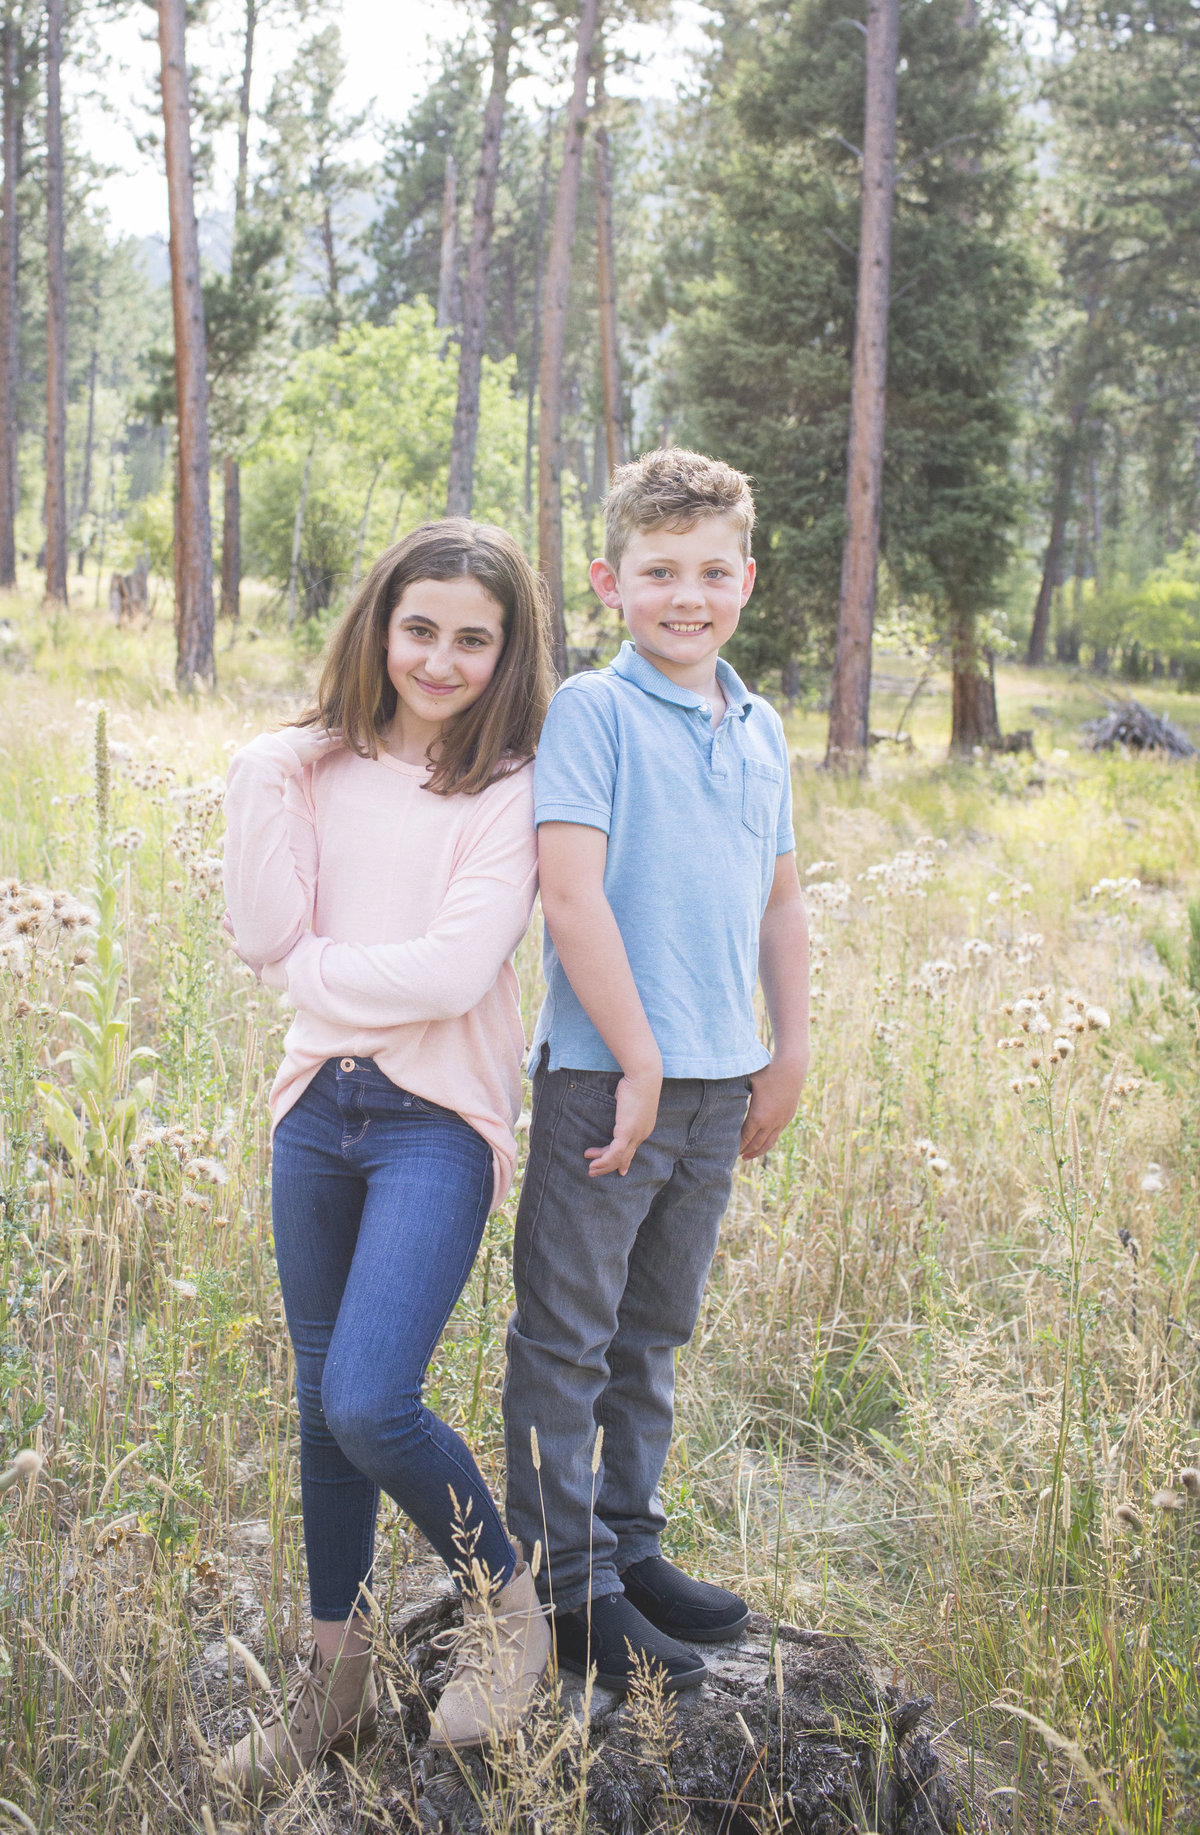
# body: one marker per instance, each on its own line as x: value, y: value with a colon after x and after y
x: 462, y: 630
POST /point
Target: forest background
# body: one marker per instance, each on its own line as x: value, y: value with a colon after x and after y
x: 944, y: 1392
x: 1041, y: 466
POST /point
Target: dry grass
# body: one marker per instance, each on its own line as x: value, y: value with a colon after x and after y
x: 945, y: 1384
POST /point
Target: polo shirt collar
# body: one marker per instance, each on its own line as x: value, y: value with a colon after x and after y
x: 634, y: 668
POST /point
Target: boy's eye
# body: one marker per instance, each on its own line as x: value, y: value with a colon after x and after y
x: 717, y: 573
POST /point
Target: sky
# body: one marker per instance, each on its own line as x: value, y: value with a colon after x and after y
x: 390, y: 48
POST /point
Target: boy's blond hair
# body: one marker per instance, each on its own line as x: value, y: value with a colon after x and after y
x: 672, y: 488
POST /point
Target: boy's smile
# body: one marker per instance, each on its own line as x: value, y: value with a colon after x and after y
x: 681, y: 592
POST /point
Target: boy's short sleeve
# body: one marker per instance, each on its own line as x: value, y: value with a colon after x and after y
x: 575, y: 771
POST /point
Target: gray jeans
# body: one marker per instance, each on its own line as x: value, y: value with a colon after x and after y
x: 609, y: 1275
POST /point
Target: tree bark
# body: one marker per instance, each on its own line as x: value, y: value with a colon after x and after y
x: 243, y: 151
x: 194, y: 661
x: 606, y: 287
x: 973, y: 719
x: 297, y: 534
x: 85, y: 476
x: 554, y: 327
x: 56, y: 318
x: 231, y: 508
x: 231, y: 541
x: 536, y: 332
x: 449, y: 262
x: 851, y: 690
x: 1035, y: 655
x: 10, y: 127
x: 461, y: 487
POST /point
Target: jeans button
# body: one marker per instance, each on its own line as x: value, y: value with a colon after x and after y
x: 347, y: 1064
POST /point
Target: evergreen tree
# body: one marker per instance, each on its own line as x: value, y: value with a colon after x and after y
x: 761, y: 366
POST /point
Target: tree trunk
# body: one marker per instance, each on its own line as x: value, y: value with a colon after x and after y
x: 56, y: 318
x: 193, y: 550
x: 231, y: 541
x: 460, y: 490
x: 231, y: 509
x: 447, y: 271
x: 974, y: 720
x: 333, y: 278
x: 536, y: 332
x: 850, y: 696
x: 362, y: 529
x: 85, y: 476
x: 606, y: 286
x: 554, y: 327
x: 243, y: 150
x: 9, y: 306
x: 297, y: 533
x: 1035, y: 655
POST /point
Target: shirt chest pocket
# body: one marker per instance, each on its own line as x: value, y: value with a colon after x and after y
x: 762, y: 787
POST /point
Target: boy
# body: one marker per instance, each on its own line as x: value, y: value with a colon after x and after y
x: 668, y: 879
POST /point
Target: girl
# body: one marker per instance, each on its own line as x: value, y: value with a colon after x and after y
x: 380, y: 867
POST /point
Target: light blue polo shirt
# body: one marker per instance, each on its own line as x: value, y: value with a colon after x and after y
x: 695, y: 820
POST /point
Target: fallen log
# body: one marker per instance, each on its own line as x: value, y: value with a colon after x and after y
x: 829, y: 1751
x: 1128, y: 723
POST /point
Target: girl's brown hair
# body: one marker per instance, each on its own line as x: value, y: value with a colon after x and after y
x: 356, y: 698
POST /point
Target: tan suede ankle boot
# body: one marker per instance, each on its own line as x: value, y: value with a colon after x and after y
x: 335, y: 1704
x: 500, y: 1657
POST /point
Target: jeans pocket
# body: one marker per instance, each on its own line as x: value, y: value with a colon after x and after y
x: 596, y: 1087
x: 762, y: 786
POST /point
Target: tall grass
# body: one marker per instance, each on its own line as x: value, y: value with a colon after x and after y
x: 944, y: 1391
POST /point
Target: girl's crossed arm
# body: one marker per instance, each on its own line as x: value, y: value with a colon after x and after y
x: 448, y: 970
x: 270, y: 845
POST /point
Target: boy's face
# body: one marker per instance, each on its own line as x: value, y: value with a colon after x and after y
x: 681, y: 592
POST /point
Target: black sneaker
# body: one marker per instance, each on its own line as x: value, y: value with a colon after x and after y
x: 621, y: 1641
x: 682, y: 1607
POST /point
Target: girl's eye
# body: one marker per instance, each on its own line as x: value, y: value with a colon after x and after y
x: 418, y: 630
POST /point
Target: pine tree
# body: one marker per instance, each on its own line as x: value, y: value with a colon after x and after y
x: 763, y: 347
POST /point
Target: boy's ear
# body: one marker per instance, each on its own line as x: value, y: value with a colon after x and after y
x: 748, y: 578
x: 604, y: 582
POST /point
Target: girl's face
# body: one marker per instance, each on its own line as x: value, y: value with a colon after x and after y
x: 444, y: 640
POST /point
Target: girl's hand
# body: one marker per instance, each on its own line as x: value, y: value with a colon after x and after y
x: 774, y: 1098
x: 310, y: 742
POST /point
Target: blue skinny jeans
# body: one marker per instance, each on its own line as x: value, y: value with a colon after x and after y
x: 379, y: 1202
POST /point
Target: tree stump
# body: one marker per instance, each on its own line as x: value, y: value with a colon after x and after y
x: 836, y: 1751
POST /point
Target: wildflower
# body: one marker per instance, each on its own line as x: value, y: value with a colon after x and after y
x: 933, y: 978
x: 975, y: 949
x: 832, y: 894
x: 1060, y: 1050
x: 1096, y: 1019
x: 1127, y: 1515
x: 1189, y: 1478
x: 188, y: 1289
x: 1166, y: 1499
x: 1153, y: 1180
x: 820, y: 866
x: 211, y: 1171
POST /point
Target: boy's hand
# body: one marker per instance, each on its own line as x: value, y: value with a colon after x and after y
x: 637, y: 1112
x: 774, y: 1099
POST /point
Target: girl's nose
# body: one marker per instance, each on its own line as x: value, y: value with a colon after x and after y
x: 441, y: 665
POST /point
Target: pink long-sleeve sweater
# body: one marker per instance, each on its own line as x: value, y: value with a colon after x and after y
x: 390, y: 917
